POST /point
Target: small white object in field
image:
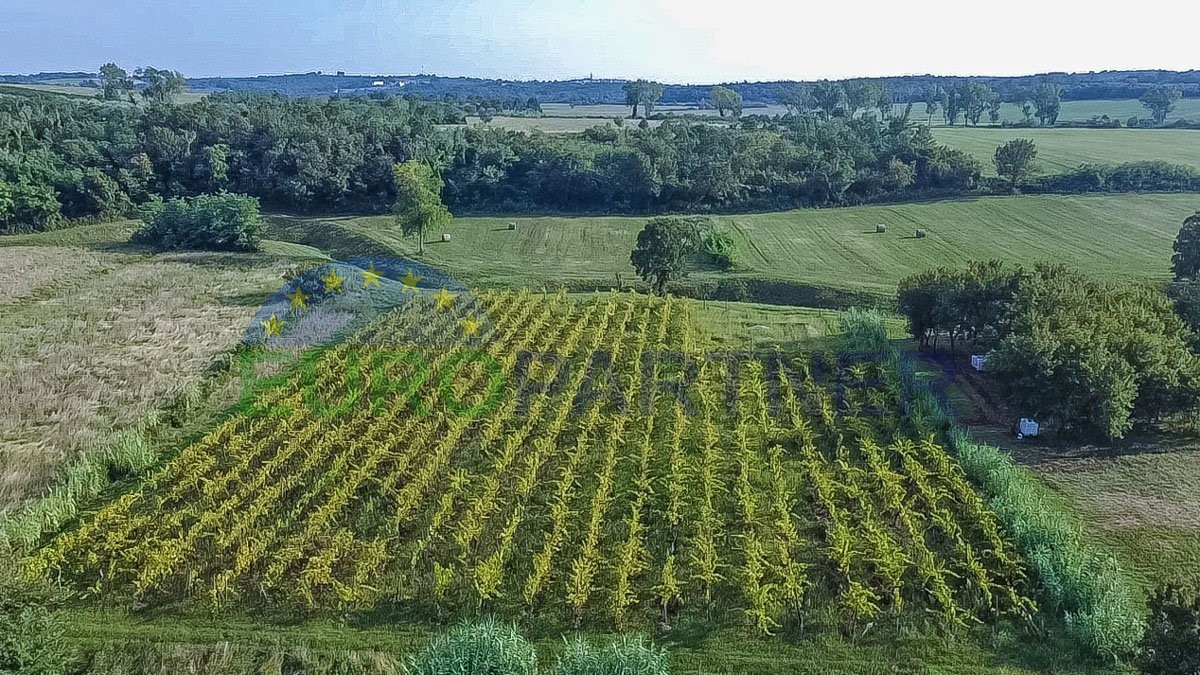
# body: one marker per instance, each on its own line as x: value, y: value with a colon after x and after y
x: 978, y: 361
x: 445, y: 236
x: 920, y: 234
x: 880, y: 229
x: 512, y: 225
x: 1028, y: 427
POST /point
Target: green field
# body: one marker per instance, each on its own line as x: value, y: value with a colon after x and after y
x: 1126, y: 236
x: 1063, y: 149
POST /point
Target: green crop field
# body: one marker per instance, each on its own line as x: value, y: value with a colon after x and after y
x: 1128, y: 236
x: 1078, y: 111
x: 1063, y: 149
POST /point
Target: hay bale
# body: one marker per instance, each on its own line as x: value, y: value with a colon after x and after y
x: 445, y: 237
x: 920, y: 234
x: 512, y: 225
x: 880, y: 229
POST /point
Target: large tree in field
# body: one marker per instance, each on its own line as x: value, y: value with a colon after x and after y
x: 162, y: 86
x: 115, y: 83
x: 419, y: 205
x: 1186, y: 261
x: 643, y: 93
x: 829, y: 97
x: 933, y: 99
x: 1160, y: 101
x: 663, y: 248
x: 1014, y: 161
x: 726, y: 99
x: 1047, y: 100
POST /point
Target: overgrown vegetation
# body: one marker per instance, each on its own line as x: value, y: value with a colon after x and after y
x: 1171, y: 645
x: 217, y: 222
x: 1081, y: 357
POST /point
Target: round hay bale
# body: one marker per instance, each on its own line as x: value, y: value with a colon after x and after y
x: 920, y: 234
x: 512, y: 225
x: 880, y: 229
x: 445, y: 236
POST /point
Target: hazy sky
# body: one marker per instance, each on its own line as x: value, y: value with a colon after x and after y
x: 669, y: 40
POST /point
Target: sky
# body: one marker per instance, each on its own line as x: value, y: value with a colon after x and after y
x: 678, y: 41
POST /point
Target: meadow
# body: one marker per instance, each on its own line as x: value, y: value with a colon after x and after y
x: 1064, y: 149
x: 93, y: 339
x: 1125, y: 236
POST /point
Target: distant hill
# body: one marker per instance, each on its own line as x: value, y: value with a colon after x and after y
x: 1116, y: 84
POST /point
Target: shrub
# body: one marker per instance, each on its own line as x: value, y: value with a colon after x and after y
x: 720, y: 247
x: 625, y: 656
x: 1171, y: 644
x: 485, y: 647
x: 31, y: 632
x: 28, y: 207
x: 864, y: 331
x: 219, y: 222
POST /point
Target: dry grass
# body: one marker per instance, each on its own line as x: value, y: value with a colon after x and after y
x: 82, y: 353
x: 27, y: 270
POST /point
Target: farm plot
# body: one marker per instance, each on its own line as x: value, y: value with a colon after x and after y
x: 575, y: 461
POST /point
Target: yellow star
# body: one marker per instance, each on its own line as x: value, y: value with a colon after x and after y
x: 333, y: 281
x: 444, y: 299
x: 410, y: 281
x: 370, y: 276
x: 271, y: 326
x: 469, y: 325
x: 299, y: 299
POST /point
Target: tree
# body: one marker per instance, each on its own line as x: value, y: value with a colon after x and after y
x: 162, y: 86
x: 663, y: 248
x: 644, y: 93
x: 794, y: 97
x: 933, y: 98
x: 1186, y: 260
x: 220, y: 222
x: 829, y: 97
x: 1160, y: 101
x: 1047, y: 100
x: 1014, y: 161
x: 1171, y: 645
x: 724, y: 98
x: 419, y: 205
x: 115, y: 83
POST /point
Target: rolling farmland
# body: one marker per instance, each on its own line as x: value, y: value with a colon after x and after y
x: 1063, y: 149
x: 608, y: 504
x: 1127, y: 236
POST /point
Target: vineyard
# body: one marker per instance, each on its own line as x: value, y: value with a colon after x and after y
x: 607, y: 486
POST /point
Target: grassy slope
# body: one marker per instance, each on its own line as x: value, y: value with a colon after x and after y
x: 1123, y: 235
x: 1062, y: 149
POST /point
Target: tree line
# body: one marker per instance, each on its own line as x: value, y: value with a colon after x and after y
x: 1084, y: 358
x: 63, y: 158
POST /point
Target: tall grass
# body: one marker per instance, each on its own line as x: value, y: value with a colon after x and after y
x: 863, y: 331
x: 626, y: 656
x: 1075, y: 578
x: 122, y: 454
x: 484, y: 647
x: 1080, y: 580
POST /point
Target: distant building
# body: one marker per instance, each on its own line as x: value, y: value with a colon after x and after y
x: 377, y: 83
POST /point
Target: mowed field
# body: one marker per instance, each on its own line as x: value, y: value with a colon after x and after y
x: 1063, y: 149
x: 1126, y: 236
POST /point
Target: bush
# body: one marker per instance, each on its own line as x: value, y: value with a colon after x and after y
x: 220, y: 222
x: 626, y: 656
x: 485, y: 647
x: 1171, y: 644
x: 31, y: 641
x: 720, y: 247
x: 864, y: 331
x: 28, y: 207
